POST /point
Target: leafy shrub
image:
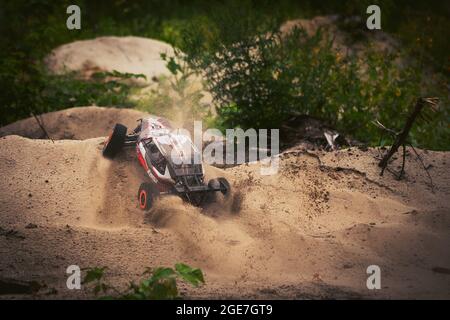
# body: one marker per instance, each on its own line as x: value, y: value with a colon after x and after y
x: 104, y: 89
x: 45, y: 92
x: 158, y: 284
x: 261, y: 79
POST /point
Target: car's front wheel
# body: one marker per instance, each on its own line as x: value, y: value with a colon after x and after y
x: 147, y: 195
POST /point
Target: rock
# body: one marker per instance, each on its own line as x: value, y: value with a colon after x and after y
x: 31, y: 226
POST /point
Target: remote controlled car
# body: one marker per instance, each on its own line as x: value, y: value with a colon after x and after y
x: 171, y: 160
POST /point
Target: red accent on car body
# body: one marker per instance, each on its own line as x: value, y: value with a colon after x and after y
x: 141, y: 159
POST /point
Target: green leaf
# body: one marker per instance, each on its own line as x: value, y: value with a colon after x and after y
x: 161, y: 273
x: 165, y: 289
x: 189, y: 274
x: 173, y: 66
x: 94, y: 274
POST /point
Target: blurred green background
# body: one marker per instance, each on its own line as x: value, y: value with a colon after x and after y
x: 31, y: 29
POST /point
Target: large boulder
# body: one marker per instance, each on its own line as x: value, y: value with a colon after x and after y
x: 125, y: 54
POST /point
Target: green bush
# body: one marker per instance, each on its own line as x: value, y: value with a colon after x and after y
x: 261, y: 79
x: 44, y: 92
x: 104, y: 89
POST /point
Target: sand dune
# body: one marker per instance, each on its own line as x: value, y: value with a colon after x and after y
x: 309, y: 231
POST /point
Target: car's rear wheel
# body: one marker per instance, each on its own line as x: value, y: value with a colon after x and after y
x: 221, y: 183
x: 115, y: 141
x: 226, y: 188
x: 147, y: 195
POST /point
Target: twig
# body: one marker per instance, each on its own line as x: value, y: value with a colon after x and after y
x: 424, y: 167
x: 401, y: 137
x: 42, y: 127
x: 402, y: 171
x: 381, y: 126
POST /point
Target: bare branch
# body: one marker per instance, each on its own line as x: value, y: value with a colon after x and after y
x: 41, y: 125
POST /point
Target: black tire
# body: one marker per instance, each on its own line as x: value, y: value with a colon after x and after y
x: 211, y: 197
x: 115, y: 141
x: 226, y: 185
x: 147, y: 195
x: 220, y: 183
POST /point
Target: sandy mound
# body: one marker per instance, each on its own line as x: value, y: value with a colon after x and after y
x: 309, y: 231
x: 74, y: 123
x: 125, y: 54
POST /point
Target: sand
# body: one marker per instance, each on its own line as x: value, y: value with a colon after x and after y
x: 309, y: 231
x: 77, y: 123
